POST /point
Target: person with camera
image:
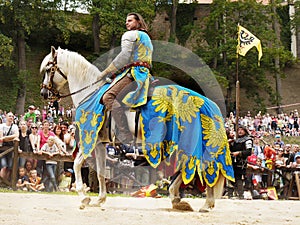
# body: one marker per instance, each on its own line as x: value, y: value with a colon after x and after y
x: 8, y: 133
x: 240, y: 149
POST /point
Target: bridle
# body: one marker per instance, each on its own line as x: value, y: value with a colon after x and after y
x: 52, y: 70
x: 50, y: 87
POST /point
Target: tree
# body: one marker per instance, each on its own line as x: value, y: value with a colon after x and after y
x: 109, y: 17
x: 6, y: 50
x: 19, y: 19
x: 220, y: 51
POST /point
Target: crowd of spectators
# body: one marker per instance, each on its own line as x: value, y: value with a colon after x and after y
x: 51, y: 131
x: 286, y: 124
x: 275, y: 160
x: 46, y: 132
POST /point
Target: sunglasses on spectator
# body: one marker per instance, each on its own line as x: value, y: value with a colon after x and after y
x: 34, y: 127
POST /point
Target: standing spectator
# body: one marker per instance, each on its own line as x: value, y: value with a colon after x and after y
x: 51, y: 149
x: 24, y: 144
x: 30, y: 114
x: 38, y: 114
x: 274, y: 122
x: 240, y: 149
x: 44, y: 134
x: 56, y: 108
x: 59, y: 139
x: 64, y: 129
x: 73, y: 110
x: 4, y: 117
x: 8, y: 133
x: 50, y: 118
x: 44, y: 113
x: 278, y: 141
x: 61, y: 111
x: 29, y: 124
x: 34, y: 138
x: 69, y: 113
x: 296, y: 163
x: 258, y: 147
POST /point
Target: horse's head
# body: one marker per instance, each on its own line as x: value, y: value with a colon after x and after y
x: 52, y: 69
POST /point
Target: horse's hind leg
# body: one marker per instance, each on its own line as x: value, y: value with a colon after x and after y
x: 175, y: 195
x: 100, y: 153
x: 85, y: 200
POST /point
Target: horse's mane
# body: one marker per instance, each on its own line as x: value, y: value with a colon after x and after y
x: 76, y: 62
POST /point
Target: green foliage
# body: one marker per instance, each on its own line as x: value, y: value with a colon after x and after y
x: 8, y: 89
x: 220, y: 51
x: 113, y: 13
x: 184, y: 25
x: 6, y: 49
x: 285, y: 34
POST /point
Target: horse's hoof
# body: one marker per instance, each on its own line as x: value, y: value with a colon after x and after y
x: 207, y: 208
x: 86, y: 201
x: 82, y: 206
x: 176, y: 200
x: 101, y: 200
x: 204, y: 210
x: 183, y: 206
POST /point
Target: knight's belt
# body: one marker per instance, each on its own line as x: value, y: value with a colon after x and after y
x: 144, y: 64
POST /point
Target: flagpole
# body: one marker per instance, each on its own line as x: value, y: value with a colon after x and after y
x: 237, y: 96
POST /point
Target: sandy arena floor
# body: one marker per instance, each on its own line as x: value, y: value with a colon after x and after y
x: 47, y: 209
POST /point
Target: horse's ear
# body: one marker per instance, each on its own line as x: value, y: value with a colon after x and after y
x: 53, y: 51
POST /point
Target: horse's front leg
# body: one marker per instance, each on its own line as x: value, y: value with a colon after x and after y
x: 100, y: 153
x: 212, y: 193
x: 85, y: 200
x: 175, y: 195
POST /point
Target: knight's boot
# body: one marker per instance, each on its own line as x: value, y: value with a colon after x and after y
x: 124, y: 135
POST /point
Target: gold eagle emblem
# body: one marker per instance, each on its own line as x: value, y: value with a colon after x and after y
x: 214, y: 132
x: 178, y: 103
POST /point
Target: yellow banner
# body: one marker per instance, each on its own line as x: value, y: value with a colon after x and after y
x: 246, y: 40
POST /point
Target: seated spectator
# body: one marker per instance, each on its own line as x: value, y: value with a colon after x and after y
x: 23, y: 180
x: 35, y: 182
x: 65, y: 181
x: 29, y: 165
x: 162, y: 183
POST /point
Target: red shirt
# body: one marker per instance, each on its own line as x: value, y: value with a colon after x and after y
x: 44, y: 138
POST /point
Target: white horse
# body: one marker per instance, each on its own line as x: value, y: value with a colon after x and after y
x: 61, y: 66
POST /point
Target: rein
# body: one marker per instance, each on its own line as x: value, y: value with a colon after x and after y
x: 78, y: 91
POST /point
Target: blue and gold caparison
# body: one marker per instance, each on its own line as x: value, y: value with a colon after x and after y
x: 179, y: 120
x: 175, y: 120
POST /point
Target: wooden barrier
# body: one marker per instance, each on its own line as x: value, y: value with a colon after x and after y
x: 27, y: 155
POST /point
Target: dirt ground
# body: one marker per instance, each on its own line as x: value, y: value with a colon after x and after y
x: 39, y: 209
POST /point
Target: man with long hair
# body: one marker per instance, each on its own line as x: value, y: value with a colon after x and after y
x: 131, y: 64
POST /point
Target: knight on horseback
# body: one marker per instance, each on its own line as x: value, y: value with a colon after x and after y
x: 131, y: 64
